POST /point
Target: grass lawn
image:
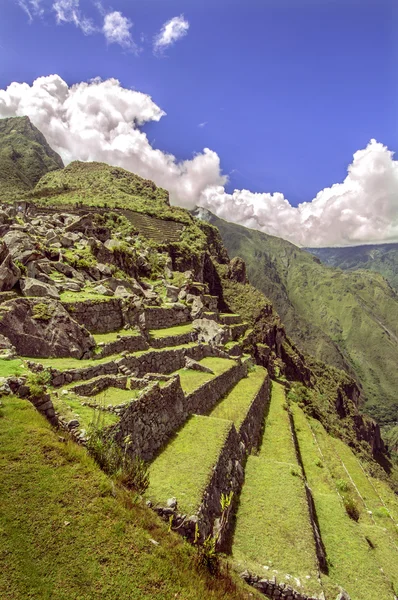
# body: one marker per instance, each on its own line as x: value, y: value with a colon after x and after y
x: 235, y: 405
x: 191, y: 380
x: 387, y: 495
x: 85, y: 294
x: 273, y: 531
x: 8, y: 368
x: 106, y: 338
x: 113, y: 396
x: 70, y: 407
x: 65, y: 536
x: 352, y: 562
x: 185, y: 466
x: 64, y: 364
x: 176, y: 330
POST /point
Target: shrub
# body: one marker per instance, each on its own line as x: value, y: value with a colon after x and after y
x: 36, y: 383
x: 351, y: 508
x: 342, y: 486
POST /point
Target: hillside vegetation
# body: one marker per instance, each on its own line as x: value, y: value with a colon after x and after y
x: 348, y: 319
x: 25, y: 157
x: 381, y: 258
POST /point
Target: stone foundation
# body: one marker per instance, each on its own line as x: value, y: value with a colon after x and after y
x: 174, y: 340
x: 157, y: 317
x: 125, y: 343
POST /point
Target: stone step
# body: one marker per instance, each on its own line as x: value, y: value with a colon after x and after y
x: 229, y: 319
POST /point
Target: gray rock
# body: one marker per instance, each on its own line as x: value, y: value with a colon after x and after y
x: 21, y: 246
x: 172, y: 292
x: 172, y: 503
x: 101, y: 289
x: 190, y: 363
x: 73, y: 424
x: 43, y: 328
x: 33, y: 287
x: 121, y: 292
x: 197, y: 308
x: 9, y: 273
x: 104, y: 269
x: 208, y: 330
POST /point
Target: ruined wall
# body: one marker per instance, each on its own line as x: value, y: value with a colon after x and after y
x: 157, y: 317
x: 251, y: 428
x: 92, y: 388
x: 125, y: 343
x: 97, y: 316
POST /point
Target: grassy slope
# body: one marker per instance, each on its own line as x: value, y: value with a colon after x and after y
x: 352, y: 563
x: 192, y: 380
x: 273, y: 528
x: 25, y: 157
x: 64, y: 536
x: 343, y: 318
x: 235, y: 405
x: 184, y: 468
x: 382, y: 258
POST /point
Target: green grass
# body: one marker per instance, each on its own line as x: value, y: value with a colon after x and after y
x: 8, y: 368
x: 352, y: 563
x: 184, y: 468
x: 70, y: 407
x: 170, y: 331
x: 88, y: 294
x: 106, y: 338
x: 273, y: 531
x: 235, y: 405
x: 64, y: 364
x: 192, y: 380
x: 65, y: 536
x: 113, y: 396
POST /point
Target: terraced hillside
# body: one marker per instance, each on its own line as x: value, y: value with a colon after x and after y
x: 347, y: 319
x: 178, y: 377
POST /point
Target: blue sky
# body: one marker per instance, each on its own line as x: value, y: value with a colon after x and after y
x: 288, y: 90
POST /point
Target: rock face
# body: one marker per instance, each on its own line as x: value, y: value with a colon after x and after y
x: 237, y: 270
x: 43, y: 329
x: 21, y: 246
x: 209, y: 331
x: 33, y: 287
x: 9, y: 273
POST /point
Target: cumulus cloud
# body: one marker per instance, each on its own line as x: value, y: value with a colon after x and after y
x: 116, y: 30
x: 171, y: 32
x: 361, y: 209
x: 101, y: 120
x: 68, y: 11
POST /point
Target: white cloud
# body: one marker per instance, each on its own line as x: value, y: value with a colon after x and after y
x: 32, y: 8
x: 68, y: 11
x: 101, y: 120
x: 362, y: 209
x: 170, y: 32
x: 201, y: 125
x: 116, y: 30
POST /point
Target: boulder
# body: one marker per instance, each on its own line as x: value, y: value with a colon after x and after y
x: 208, y: 330
x: 190, y: 363
x: 82, y: 224
x: 43, y: 328
x: 22, y: 246
x: 101, y: 289
x: 121, y: 292
x: 172, y: 292
x: 9, y: 273
x: 237, y: 270
x: 197, y: 308
x: 34, y: 287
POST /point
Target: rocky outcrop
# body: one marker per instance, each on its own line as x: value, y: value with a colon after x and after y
x: 33, y: 287
x: 22, y: 246
x: 43, y: 329
x: 237, y: 270
x: 9, y: 272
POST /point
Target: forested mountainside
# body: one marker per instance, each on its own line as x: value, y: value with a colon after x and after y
x: 347, y: 319
x: 155, y: 413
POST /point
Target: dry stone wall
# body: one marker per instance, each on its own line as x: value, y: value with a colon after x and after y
x: 174, y: 340
x: 97, y: 316
x: 152, y: 418
x: 272, y: 589
x: 91, y: 388
x: 125, y: 343
x: 251, y: 429
x: 158, y: 317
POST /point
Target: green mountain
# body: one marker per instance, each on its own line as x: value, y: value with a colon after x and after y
x: 348, y: 319
x: 381, y: 258
x: 25, y: 157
